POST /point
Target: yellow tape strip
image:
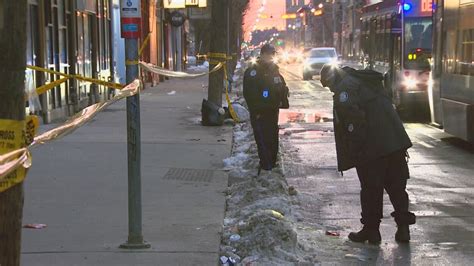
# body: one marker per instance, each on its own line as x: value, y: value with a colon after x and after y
x: 78, y: 77
x: 234, y: 116
x: 100, y: 82
x: 47, y: 71
x: 13, y: 163
x: 131, y: 62
x: 42, y: 89
x: 145, y: 42
x: 11, y: 144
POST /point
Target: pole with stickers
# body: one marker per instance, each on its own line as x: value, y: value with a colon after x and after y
x: 130, y: 18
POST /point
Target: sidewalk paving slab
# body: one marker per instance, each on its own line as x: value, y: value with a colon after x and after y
x: 78, y: 186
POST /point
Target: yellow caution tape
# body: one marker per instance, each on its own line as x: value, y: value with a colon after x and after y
x: 112, y: 85
x: 145, y: 42
x: 178, y: 74
x: 47, y: 87
x: 12, y: 153
x: 31, y: 128
x: 231, y: 108
x: 42, y: 89
x: 48, y: 71
x: 15, y: 157
x: 131, y: 62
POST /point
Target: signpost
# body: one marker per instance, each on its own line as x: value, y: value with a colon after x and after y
x: 130, y: 16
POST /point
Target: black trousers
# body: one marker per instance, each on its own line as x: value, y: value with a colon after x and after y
x: 265, y: 130
x: 389, y: 173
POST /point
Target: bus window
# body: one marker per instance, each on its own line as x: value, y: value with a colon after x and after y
x: 465, y: 60
x: 418, y: 43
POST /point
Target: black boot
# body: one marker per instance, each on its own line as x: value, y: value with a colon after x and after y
x: 402, y: 234
x: 366, y: 234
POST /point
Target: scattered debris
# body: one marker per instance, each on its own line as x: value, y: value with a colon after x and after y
x: 35, y: 226
x: 234, y: 238
x: 172, y: 93
x: 332, y: 233
x: 292, y: 191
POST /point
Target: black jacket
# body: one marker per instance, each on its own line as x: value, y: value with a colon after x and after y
x: 264, y: 88
x: 366, y: 124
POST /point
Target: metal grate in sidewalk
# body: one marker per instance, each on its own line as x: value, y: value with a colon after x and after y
x: 189, y: 175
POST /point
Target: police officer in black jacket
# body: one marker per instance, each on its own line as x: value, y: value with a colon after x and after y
x: 370, y: 137
x: 265, y: 92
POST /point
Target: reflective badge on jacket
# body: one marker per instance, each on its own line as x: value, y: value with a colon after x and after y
x: 343, y: 97
x: 277, y: 80
x: 265, y: 93
x: 350, y: 128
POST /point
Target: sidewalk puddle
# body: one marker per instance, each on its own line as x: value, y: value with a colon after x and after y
x: 303, y: 116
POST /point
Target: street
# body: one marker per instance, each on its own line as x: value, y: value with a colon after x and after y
x: 441, y: 188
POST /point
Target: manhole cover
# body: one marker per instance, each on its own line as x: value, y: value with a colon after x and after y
x: 191, y: 175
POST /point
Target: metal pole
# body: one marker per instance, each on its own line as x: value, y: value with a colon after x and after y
x: 135, y: 237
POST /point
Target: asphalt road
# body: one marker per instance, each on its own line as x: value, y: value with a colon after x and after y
x: 441, y: 188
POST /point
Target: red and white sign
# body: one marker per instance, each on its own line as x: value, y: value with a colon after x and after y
x: 130, y: 18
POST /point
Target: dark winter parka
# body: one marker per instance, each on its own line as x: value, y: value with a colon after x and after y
x: 366, y: 124
x: 264, y: 88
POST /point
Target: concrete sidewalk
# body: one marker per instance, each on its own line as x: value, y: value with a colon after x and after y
x: 78, y: 186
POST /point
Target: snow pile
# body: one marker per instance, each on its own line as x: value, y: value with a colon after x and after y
x: 200, y: 68
x: 241, y: 112
x: 259, y: 227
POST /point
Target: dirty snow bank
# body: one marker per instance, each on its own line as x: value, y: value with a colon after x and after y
x: 259, y: 227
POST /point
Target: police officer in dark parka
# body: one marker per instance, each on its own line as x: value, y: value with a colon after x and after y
x: 370, y: 137
x: 265, y: 92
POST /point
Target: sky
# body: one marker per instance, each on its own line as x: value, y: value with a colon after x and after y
x: 273, y: 8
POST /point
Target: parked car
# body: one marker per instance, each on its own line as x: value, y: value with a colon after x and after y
x: 316, y: 59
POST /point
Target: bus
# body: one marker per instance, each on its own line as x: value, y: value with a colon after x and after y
x: 396, y: 39
x: 452, y: 93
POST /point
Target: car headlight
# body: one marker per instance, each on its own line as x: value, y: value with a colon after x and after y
x: 409, y: 83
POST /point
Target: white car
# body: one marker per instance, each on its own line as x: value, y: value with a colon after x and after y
x: 316, y: 59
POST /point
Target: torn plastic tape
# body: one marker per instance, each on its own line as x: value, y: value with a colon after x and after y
x: 177, y: 74
x: 13, y: 163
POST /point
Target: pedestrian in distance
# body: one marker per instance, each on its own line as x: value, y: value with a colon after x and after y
x: 265, y: 92
x: 370, y: 137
